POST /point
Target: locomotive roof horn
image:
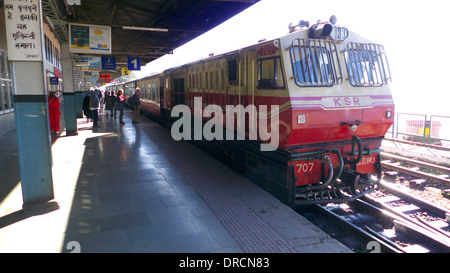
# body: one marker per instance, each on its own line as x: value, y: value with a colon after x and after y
x: 301, y: 24
x: 318, y: 31
x: 322, y: 30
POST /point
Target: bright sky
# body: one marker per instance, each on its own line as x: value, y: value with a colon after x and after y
x: 414, y: 34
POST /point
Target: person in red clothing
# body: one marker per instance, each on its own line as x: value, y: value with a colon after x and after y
x: 54, y: 113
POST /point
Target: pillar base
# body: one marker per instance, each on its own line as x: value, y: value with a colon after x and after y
x: 40, y: 208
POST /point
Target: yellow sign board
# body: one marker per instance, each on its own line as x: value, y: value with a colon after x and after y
x: 125, y: 71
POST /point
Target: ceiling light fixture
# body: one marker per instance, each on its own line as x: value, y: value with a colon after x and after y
x: 146, y: 28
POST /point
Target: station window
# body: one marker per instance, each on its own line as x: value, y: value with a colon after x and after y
x: 367, y: 65
x: 6, y: 89
x: 315, y: 63
x: 270, y: 73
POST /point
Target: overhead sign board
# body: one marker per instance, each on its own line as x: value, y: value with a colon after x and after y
x: 134, y: 63
x: 125, y: 72
x: 109, y: 62
x: 90, y: 39
x: 88, y: 63
x: 23, y: 31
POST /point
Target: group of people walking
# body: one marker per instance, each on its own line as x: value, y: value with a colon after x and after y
x: 93, y: 101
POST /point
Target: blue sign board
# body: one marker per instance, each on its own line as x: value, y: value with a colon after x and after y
x: 109, y: 62
x: 134, y: 63
x: 54, y: 80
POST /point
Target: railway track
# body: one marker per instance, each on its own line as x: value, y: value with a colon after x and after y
x: 393, y: 224
x: 391, y: 220
x: 393, y: 162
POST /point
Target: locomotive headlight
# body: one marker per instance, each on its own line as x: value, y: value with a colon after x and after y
x: 389, y: 114
x: 301, y: 119
x: 339, y: 34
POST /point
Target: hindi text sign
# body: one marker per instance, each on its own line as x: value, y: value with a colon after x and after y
x: 23, y: 30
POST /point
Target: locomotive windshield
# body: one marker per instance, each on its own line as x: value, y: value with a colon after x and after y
x: 313, y: 63
x: 367, y: 65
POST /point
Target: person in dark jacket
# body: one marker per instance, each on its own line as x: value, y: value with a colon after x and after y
x: 109, y: 105
x: 121, y: 101
x: 86, y: 110
x: 95, y: 106
x: 136, y: 102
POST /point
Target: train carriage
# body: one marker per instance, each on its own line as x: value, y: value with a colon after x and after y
x: 150, y: 95
x: 318, y: 98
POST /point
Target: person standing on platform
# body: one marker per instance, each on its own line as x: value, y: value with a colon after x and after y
x: 115, y: 105
x: 94, y: 106
x: 121, y: 101
x: 108, y: 103
x: 86, y: 110
x: 136, y: 102
x: 54, y: 113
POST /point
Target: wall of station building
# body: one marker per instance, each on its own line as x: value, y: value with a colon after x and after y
x: 52, y: 67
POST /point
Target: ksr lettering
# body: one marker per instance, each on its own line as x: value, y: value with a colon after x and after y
x: 347, y: 101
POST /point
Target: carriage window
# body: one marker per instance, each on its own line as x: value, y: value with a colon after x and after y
x: 232, y: 71
x: 367, y: 65
x: 270, y: 74
x: 315, y: 63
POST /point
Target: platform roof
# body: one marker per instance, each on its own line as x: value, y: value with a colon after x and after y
x: 183, y: 19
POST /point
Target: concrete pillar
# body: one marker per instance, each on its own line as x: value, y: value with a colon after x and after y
x: 33, y: 133
x: 30, y: 103
x: 70, y: 106
x: 79, y: 103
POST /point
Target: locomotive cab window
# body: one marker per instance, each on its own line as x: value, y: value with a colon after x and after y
x: 270, y: 74
x: 315, y: 63
x: 367, y: 65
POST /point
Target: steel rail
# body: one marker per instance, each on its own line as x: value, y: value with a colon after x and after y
x: 386, y: 245
x: 431, y: 231
x: 416, y: 162
x: 412, y: 172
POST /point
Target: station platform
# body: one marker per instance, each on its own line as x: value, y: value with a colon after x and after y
x: 132, y: 188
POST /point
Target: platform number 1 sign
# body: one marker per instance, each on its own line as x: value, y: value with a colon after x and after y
x: 134, y: 63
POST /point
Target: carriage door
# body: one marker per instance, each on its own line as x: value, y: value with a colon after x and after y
x: 179, y: 91
x: 161, y: 95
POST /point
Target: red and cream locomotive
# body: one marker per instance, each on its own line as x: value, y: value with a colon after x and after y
x: 334, y: 106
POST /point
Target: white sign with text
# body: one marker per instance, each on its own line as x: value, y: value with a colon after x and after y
x: 23, y: 30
